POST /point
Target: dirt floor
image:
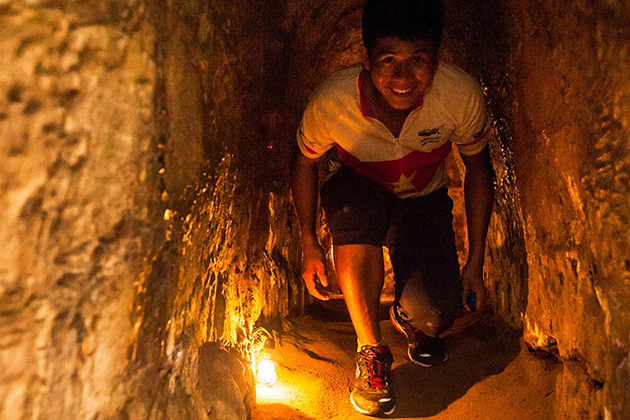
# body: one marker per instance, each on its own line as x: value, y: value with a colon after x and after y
x: 489, y: 374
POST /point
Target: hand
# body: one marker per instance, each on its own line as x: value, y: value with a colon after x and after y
x: 314, y: 268
x: 472, y: 279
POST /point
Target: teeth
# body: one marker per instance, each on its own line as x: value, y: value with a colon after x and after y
x: 401, y: 90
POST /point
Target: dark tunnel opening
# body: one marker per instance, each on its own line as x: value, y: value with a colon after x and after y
x: 149, y: 233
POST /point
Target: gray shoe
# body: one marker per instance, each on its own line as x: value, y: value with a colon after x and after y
x: 372, y: 393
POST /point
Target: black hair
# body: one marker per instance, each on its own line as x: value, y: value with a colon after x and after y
x: 404, y: 19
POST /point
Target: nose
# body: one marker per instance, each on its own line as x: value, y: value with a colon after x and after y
x: 402, y: 70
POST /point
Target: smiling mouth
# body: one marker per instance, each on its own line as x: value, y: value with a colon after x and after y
x: 401, y: 91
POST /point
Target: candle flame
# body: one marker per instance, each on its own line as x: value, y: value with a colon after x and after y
x: 266, y: 372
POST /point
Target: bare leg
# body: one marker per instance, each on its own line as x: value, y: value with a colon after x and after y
x: 361, y: 275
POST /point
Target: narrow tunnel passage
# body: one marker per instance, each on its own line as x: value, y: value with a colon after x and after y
x: 486, y: 376
x: 148, y: 229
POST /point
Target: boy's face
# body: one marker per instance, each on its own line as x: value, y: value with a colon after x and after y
x: 401, y: 70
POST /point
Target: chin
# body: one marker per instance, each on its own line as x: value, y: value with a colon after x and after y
x: 402, y: 105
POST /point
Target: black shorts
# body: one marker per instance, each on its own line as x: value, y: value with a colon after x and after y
x: 419, y: 235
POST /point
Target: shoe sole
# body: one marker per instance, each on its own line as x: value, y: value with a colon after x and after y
x: 378, y: 412
x: 401, y: 330
x: 422, y: 364
x: 396, y: 324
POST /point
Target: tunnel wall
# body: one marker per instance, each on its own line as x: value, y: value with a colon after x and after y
x: 144, y: 164
x: 227, y: 266
x: 557, y: 84
x: 76, y: 123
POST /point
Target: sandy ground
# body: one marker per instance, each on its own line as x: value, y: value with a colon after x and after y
x: 489, y: 375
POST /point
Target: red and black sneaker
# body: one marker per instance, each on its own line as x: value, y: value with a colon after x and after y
x: 372, y: 393
x: 422, y: 350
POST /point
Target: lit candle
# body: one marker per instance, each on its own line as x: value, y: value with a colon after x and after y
x: 266, y: 372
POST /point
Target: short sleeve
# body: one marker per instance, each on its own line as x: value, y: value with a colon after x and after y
x: 471, y: 133
x: 313, y: 136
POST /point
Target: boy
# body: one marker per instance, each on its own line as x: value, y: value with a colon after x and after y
x: 392, y: 124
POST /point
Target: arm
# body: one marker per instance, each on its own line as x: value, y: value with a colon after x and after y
x: 304, y: 185
x: 479, y: 196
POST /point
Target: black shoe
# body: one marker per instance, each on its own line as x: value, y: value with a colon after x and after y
x: 372, y: 393
x: 422, y: 350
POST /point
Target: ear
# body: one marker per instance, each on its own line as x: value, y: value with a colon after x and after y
x: 365, y: 57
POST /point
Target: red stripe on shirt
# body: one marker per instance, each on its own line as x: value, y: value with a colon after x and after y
x: 386, y: 173
x: 308, y: 149
x: 477, y: 139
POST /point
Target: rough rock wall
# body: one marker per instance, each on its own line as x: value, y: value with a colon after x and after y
x: 224, y: 264
x: 557, y: 79
x: 76, y: 112
x: 143, y: 149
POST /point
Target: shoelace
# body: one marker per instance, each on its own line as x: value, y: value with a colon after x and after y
x: 377, y: 368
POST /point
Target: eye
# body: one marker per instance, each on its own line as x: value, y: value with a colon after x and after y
x: 417, y: 59
x: 387, y: 60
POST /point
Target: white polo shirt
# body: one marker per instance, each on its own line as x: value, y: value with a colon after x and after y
x: 453, y: 110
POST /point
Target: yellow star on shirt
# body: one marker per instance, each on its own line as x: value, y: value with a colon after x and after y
x: 404, y: 183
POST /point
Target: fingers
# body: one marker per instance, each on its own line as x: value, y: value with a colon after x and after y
x: 321, y: 273
x: 315, y: 291
x: 314, y: 287
x: 314, y: 268
x: 474, y: 298
x: 472, y: 281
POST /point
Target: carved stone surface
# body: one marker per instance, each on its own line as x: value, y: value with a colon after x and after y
x: 556, y: 85
x: 76, y: 123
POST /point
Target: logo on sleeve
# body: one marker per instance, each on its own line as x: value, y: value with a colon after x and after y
x: 432, y: 135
